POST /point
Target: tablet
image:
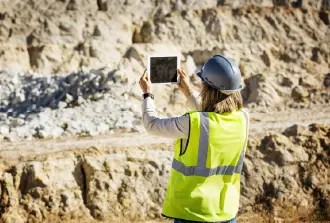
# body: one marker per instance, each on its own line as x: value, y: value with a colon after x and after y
x: 164, y: 69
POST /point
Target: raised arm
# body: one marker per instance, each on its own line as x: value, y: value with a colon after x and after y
x: 193, y: 99
x: 175, y: 127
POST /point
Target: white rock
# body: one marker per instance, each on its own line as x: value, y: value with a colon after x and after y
x: 81, y: 100
x: 3, y: 116
x: 4, y: 129
x: 57, y: 132
x: 62, y: 104
x: 102, y: 127
x: 68, y: 98
x: 120, y: 77
x: 190, y: 65
x: 17, y: 122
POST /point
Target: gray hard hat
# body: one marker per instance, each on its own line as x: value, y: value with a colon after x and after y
x: 221, y: 73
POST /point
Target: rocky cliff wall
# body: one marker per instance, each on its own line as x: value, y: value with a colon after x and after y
x: 285, y: 177
x: 61, y: 36
x: 90, y: 53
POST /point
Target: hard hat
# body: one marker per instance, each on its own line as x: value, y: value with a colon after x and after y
x: 221, y: 73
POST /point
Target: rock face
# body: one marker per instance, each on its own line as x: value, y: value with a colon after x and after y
x: 69, y: 68
x: 95, y: 50
x: 118, y: 184
x: 79, y: 187
x: 63, y: 36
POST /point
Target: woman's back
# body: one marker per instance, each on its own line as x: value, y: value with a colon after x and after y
x: 205, y: 177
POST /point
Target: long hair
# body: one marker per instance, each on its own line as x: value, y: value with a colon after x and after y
x: 213, y: 100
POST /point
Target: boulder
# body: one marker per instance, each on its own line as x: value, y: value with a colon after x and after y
x: 296, y: 130
x: 309, y: 81
x: 280, y: 150
x: 4, y: 130
x: 299, y: 93
x: 258, y: 90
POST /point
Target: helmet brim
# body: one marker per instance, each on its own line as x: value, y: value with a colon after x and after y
x: 199, y: 74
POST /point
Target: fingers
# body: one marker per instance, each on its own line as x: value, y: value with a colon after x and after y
x: 179, y: 72
x: 182, y: 73
x: 144, y: 74
x: 147, y: 76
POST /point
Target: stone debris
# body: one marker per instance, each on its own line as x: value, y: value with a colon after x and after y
x: 77, y: 104
x: 128, y: 184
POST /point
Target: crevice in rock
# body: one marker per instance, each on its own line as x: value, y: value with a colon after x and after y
x: 33, y: 51
x: 144, y: 34
x: 102, y: 5
x: 220, y: 3
x: 81, y: 176
x: 325, y: 17
x: 81, y: 179
x: 4, y: 198
x: 3, y: 15
x: 28, y: 180
x: 83, y: 185
x: 297, y: 4
x: 23, y: 182
x: 323, y: 202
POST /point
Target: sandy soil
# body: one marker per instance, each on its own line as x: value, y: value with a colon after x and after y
x: 260, y: 124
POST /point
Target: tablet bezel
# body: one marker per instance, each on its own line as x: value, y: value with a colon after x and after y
x: 166, y: 55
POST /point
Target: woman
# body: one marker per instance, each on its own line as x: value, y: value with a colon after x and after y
x: 204, y: 185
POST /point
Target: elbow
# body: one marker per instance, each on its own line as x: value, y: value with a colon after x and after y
x: 148, y: 125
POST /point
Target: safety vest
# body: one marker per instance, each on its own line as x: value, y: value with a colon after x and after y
x: 205, y: 178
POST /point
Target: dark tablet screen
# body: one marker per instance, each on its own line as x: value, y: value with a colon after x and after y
x: 163, y: 69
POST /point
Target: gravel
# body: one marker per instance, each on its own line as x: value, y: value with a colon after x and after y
x: 83, y: 103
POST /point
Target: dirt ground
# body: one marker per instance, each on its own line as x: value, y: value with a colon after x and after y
x: 144, y: 149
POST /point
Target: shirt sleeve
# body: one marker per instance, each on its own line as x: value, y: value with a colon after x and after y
x: 175, y: 127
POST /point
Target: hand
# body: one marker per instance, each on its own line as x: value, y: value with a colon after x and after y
x: 145, y: 83
x: 184, y: 84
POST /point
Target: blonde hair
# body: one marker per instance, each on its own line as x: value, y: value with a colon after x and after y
x: 213, y: 100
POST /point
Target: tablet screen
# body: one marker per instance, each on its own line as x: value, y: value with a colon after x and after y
x: 163, y: 69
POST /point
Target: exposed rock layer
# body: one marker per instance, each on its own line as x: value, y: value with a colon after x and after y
x: 62, y: 36
x: 128, y: 184
x: 282, y: 48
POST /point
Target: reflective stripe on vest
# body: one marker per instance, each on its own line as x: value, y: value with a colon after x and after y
x: 200, y: 169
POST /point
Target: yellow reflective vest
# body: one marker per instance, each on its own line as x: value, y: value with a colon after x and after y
x: 205, y: 178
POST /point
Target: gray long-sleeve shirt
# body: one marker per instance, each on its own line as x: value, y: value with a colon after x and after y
x: 175, y: 127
